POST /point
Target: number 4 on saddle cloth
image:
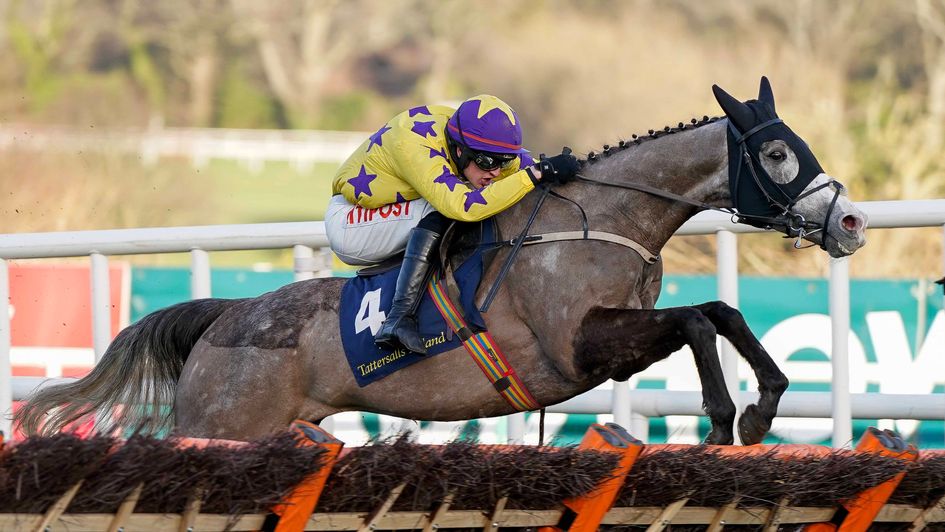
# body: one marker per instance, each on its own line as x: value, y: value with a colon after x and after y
x: 366, y: 300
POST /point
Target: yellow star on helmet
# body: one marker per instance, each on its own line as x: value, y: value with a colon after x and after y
x: 487, y: 103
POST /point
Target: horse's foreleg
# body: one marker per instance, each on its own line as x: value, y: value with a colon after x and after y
x: 755, y: 422
x: 631, y: 340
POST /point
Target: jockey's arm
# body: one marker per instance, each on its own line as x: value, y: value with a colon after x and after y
x: 434, y: 180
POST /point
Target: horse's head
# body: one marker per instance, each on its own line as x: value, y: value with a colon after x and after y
x: 775, y: 181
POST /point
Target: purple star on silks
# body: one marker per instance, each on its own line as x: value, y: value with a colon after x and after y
x: 362, y: 183
x: 399, y: 198
x: 473, y: 197
x: 448, y: 179
x: 424, y: 128
x: 376, y: 138
x: 422, y: 110
x: 437, y: 153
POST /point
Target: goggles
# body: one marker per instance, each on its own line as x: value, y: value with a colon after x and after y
x: 488, y: 162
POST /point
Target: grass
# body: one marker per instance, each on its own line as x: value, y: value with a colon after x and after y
x: 277, y: 193
x: 66, y: 191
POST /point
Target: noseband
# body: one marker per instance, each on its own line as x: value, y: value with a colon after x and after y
x: 794, y: 223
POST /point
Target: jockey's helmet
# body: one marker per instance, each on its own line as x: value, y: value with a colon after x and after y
x: 485, y: 123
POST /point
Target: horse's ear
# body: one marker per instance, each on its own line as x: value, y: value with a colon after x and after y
x: 735, y: 110
x: 765, y: 95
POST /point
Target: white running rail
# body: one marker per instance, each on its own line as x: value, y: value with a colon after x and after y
x: 252, y: 147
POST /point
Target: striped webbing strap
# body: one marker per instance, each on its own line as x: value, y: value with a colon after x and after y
x: 484, y: 352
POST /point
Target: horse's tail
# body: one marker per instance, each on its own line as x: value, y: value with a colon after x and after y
x: 134, y: 384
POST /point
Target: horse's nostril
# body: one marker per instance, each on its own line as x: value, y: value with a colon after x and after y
x: 851, y: 223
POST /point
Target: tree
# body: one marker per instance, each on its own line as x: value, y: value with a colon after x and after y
x: 306, y: 46
x: 930, y: 16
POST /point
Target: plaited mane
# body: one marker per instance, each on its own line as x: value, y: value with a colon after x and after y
x: 608, y: 150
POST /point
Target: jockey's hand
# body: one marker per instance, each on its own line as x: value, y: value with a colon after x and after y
x: 559, y: 169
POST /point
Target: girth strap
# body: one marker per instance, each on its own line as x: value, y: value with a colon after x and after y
x: 543, y: 238
x: 484, y: 352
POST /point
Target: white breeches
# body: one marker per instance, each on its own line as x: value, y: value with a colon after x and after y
x: 362, y: 237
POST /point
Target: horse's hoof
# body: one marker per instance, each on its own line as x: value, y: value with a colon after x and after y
x: 716, y: 437
x: 752, y: 425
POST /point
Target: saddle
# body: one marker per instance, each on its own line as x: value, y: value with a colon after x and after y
x: 367, y: 297
x: 460, y: 241
x: 447, y: 308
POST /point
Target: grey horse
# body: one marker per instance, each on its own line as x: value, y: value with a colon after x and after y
x: 570, y: 315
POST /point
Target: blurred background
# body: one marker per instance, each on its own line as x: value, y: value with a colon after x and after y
x: 82, y: 82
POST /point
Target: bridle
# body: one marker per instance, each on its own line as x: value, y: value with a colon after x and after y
x: 794, y: 223
x: 796, y: 226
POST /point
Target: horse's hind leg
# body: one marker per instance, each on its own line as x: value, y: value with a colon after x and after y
x: 631, y: 340
x: 755, y: 422
x: 238, y: 393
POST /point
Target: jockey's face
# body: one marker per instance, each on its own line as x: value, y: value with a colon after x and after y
x: 476, y: 176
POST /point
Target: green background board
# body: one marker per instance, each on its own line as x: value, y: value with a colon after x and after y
x: 765, y: 302
x: 156, y: 288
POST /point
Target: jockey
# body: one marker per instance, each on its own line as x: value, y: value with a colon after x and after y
x: 427, y: 166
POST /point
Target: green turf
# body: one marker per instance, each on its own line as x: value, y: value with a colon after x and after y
x: 277, y: 193
x: 237, y: 194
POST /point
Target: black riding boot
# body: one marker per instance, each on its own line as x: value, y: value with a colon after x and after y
x: 400, y: 327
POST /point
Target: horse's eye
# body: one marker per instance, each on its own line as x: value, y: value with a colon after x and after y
x: 776, y: 155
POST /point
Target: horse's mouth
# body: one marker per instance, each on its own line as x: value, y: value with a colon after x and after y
x: 845, y: 250
x: 842, y: 251
x: 846, y: 246
x: 845, y: 233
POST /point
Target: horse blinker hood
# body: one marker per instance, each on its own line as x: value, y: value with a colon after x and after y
x: 755, y: 195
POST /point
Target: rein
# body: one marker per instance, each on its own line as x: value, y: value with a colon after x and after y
x: 525, y: 239
x: 516, y: 246
x: 659, y: 192
x: 795, y: 224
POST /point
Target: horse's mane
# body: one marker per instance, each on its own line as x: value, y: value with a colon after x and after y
x: 608, y: 150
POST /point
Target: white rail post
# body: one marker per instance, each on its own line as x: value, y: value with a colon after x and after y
x: 839, y: 355
x: 640, y: 427
x: 516, y: 427
x: 199, y: 274
x: 327, y: 424
x: 303, y: 262
x: 622, y: 407
x: 101, y: 305
x: 6, y: 370
x: 727, y: 279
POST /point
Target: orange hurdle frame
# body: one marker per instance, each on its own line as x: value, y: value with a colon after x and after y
x: 584, y: 514
x: 293, y: 515
x: 858, y: 514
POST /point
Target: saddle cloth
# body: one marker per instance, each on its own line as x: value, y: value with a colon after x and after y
x: 366, y: 300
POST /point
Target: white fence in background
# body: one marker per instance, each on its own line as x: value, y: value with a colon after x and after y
x: 626, y: 405
x: 252, y: 147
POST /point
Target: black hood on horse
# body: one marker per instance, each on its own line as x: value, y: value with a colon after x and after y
x: 752, y: 125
